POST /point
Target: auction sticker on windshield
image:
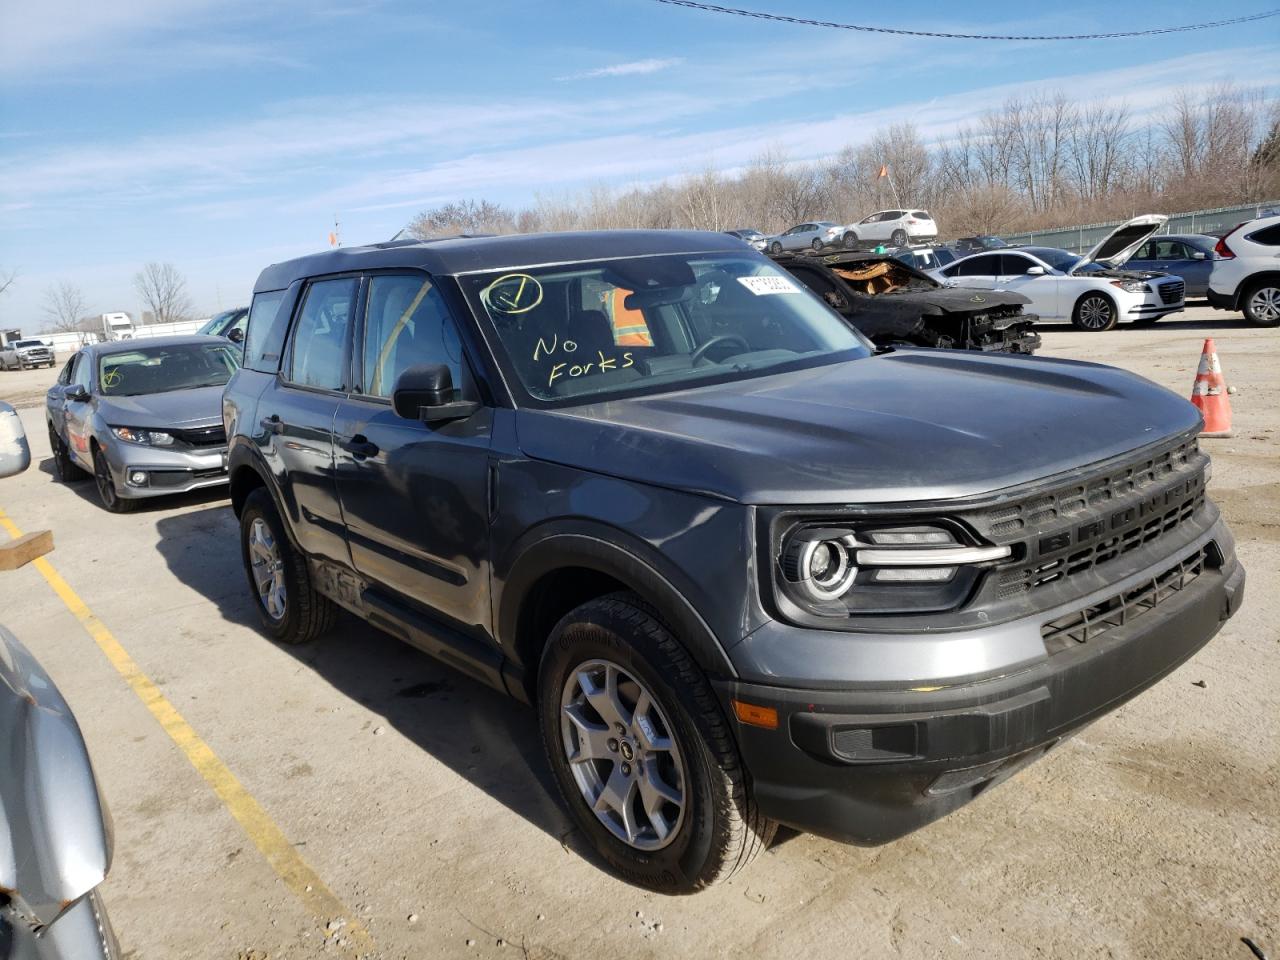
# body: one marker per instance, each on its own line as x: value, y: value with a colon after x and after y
x: 761, y: 286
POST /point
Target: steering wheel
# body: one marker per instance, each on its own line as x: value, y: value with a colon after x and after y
x: 701, y: 352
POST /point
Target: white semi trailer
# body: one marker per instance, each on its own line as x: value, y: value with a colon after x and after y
x: 117, y: 326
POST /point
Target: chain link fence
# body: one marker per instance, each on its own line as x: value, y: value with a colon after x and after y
x: 1084, y: 237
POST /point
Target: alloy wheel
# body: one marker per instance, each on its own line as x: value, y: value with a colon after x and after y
x: 268, y: 568
x: 622, y: 754
x: 106, y: 486
x: 1264, y: 305
x: 1095, y: 313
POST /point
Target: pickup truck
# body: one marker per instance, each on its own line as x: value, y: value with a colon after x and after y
x: 22, y: 354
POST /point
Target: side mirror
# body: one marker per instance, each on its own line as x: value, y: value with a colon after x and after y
x: 15, y: 455
x: 235, y: 335
x: 1199, y: 255
x: 1035, y: 271
x: 76, y: 392
x: 426, y: 393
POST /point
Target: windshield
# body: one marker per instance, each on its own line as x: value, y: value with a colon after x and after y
x: 184, y: 366
x: 215, y: 325
x: 655, y: 323
x: 28, y: 343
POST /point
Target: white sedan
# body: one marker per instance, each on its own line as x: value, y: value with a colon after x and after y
x: 1090, y: 291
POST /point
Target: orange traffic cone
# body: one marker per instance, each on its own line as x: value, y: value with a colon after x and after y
x: 1209, y: 393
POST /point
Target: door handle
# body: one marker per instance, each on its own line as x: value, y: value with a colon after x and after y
x: 272, y: 424
x: 360, y: 447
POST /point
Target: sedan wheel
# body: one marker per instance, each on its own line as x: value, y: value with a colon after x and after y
x: 850, y: 240
x: 107, y: 486
x: 817, y: 244
x: 1094, y: 313
x: 1262, y: 305
x: 775, y: 247
x: 268, y: 568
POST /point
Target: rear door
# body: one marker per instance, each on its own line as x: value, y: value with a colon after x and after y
x: 980, y: 272
x: 297, y: 413
x: 1042, y: 289
x: 76, y: 413
x: 414, y: 495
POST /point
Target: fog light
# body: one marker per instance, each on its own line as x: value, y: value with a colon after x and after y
x: 138, y: 478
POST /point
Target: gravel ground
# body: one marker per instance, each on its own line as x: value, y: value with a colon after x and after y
x: 422, y: 801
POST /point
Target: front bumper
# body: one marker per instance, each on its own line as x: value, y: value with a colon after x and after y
x: 168, y: 470
x: 870, y: 765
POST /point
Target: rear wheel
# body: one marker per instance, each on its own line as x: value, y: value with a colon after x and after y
x: 642, y: 753
x: 899, y: 238
x: 107, y: 493
x: 290, y: 608
x: 64, y: 468
x: 1095, y: 313
x: 1262, y: 303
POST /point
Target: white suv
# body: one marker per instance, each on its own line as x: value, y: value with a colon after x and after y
x: 897, y: 227
x: 1246, y: 275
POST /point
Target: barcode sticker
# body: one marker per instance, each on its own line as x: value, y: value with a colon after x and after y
x: 761, y: 286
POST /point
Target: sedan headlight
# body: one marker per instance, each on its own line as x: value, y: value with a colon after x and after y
x: 152, y: 438
x: 1132, y: 286
x: 837, y: 571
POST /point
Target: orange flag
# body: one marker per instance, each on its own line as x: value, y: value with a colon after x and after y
x: 884, y: 172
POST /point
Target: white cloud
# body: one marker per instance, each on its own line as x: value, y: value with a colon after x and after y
x: 632, y: 68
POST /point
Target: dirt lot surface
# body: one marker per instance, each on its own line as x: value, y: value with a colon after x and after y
x: 422, y: 800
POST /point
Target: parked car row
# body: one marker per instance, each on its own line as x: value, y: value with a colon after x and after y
x: 747, y: 567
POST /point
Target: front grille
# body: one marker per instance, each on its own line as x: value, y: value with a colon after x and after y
x: 203, y: 437
x: 1082, y: 626
x: 1172, y: 292
x: 1082, y: 525
x: 181, y: 478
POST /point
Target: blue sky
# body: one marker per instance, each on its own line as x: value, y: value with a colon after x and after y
x: 222, y: 135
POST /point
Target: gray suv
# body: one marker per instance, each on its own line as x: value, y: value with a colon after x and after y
x: 747, y: 568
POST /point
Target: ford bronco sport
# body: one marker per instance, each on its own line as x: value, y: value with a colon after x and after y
x: 748, y: 569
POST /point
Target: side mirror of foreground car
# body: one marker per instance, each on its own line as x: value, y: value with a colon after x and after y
x: 76, y: 392
x: 426, y: 393
x: 15, y: 455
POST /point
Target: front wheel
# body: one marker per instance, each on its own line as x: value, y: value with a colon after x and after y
x: 289, y: 606
x: 1262, y: 304
x: 1094, y: 313
x: 642, y: 753
x: 775, y: 247
x: 816, y: 245
x: 850, y: 240
x: 107, y: 492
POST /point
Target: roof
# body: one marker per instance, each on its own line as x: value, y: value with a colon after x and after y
x: 174, y: 340
x: 458, y: 255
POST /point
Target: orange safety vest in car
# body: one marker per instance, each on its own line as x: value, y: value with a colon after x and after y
x: 629, y: 326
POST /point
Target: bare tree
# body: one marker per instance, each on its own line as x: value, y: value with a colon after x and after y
x: 463, y: 216
x: 164, y: 290
x: 64, y: 306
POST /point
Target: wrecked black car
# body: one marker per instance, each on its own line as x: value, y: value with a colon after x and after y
x: 893, y: 304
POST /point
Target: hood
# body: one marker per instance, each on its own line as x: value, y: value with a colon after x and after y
x: 55, y: 835
x: 176, y: 408
x: 909, y: 425
x: 1122, y: 242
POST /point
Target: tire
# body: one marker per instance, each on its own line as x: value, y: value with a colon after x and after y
x: 775, y: 247
x: 303, y: 613
x: 1261, y: 303
x: 849, y: 240
x: 107, y: 493
x: 898, y: 238
x: 816, y: 245
x: 1095, y: 313
x: 714, y: 829
x: 64, y: 468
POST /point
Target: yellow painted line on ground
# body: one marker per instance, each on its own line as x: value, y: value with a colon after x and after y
x: 262, y: 830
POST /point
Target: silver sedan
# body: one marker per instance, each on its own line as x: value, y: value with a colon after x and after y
x: 142, y: 417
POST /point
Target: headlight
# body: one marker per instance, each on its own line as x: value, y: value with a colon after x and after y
x: 1133, y: 286
x: 152, y: 438
x: 840, y: 571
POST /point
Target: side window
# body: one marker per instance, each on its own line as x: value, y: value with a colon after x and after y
x: 82, y: 374
x: 1012, y: 265
x: 264, y: 335
x: 1146, y: 252
x: 406, y: 325
x: 64, y: 376
x: 1267, y: 236
x: 320, y: 334
x: 983, y: 266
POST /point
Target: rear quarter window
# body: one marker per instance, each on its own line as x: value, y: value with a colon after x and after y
x: 1267, y: 236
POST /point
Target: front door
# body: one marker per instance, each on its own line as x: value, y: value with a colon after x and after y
x: 76, y: 413
x: 979, y: 272
x: 414, y: 495
x: 298, y: 411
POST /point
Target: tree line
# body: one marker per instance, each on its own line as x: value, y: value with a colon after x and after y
x: 1036, y: 161
x: 161, y: 287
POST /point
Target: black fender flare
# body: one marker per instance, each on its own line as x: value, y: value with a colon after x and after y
x: 243, y: 456
x: 614, y: 553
